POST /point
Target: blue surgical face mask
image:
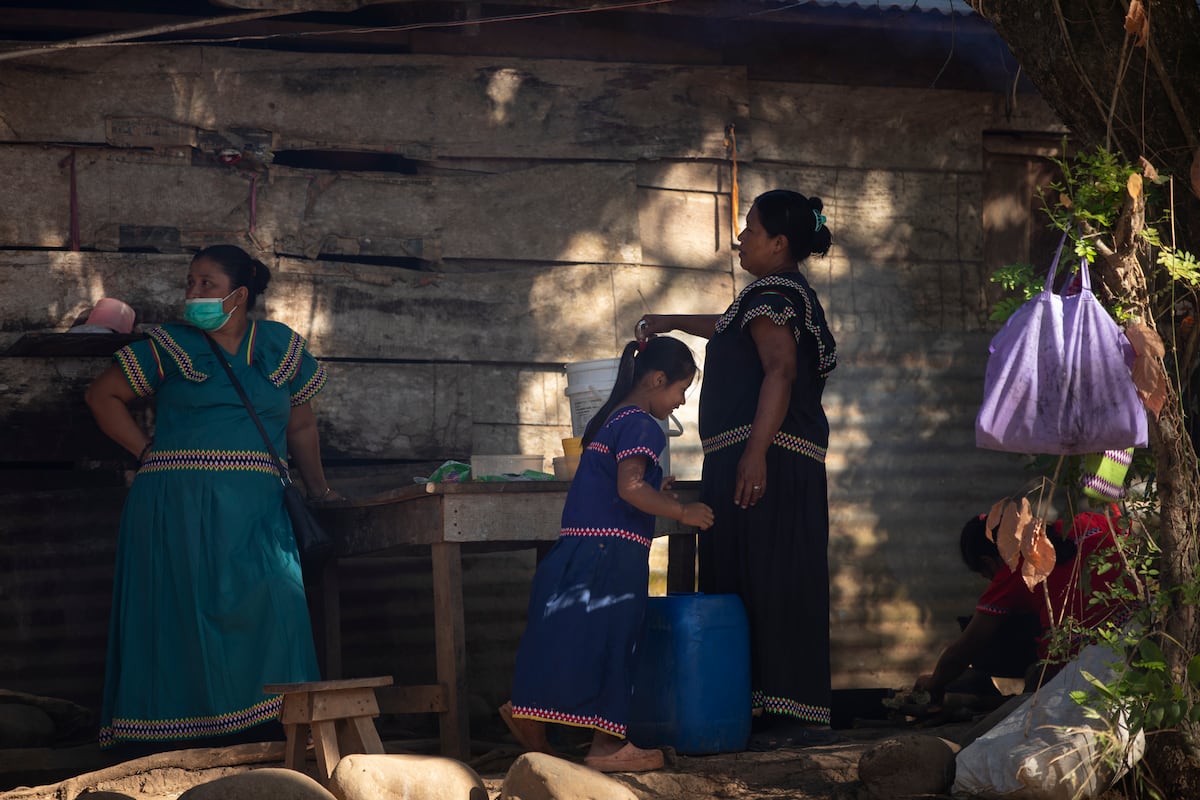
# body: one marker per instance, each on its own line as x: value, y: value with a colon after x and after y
x: 207, y: 313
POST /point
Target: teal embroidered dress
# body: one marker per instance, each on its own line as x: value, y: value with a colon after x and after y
x: 208, y: 603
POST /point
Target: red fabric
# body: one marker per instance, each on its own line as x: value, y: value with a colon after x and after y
x: 1067, y: 589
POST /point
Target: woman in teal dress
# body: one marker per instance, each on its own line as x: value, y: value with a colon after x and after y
x: 208, y: 601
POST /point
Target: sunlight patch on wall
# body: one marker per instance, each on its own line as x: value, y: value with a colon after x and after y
x: 502, y: 91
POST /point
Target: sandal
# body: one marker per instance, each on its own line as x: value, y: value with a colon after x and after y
x: 519, y: 730
x: 787, y: 734
x: 628, y: 759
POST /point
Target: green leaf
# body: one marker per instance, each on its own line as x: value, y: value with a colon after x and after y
x: 1193, y: 671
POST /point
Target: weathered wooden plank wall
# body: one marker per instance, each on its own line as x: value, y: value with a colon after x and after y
x: 532, y: 209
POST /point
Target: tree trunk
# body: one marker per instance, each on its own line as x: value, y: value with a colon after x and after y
x: 1137, y: 101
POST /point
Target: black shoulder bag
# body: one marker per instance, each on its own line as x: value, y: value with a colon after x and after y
x: 315, y: 545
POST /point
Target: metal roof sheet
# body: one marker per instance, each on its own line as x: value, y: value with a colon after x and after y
x: 919, y: 6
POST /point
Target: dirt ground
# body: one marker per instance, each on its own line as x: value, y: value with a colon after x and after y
x: 826, y: 772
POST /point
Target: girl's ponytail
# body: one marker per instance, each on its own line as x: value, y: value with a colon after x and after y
x: 621, y: 389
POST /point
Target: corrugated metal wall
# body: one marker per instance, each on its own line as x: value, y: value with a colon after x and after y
x: 902, y: 176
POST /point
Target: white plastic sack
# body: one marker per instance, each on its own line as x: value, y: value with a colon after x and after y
x: 1048, y: 749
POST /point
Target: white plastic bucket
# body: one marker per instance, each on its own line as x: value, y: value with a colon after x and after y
x: 589, y: 383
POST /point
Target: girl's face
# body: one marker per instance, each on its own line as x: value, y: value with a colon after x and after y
x: 759, y: 252
x: 668, y: 396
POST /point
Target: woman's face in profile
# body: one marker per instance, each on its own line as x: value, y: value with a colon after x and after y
x: 207, y: 279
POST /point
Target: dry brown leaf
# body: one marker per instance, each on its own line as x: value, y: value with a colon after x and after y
x: 993, y: 518
x: 1137, y: 23
x: 1008, y: 535
x: 1148, y: 170
x: 1038, y: 552
x: 1145, y: 341
x: 1134, y: 185
x: 1149, y: 377
x: 1065, y: 200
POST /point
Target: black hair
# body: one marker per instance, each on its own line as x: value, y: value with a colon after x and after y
x: 662, y: 353
x: 791, y: 214
x: 242, y: 269
x: 974, y: 546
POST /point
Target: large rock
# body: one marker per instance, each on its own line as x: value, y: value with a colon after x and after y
x: 269, y: 783
x: 405, y: 777
x: 24, y: 726
x: 537, y: 776
x: 908, y: 766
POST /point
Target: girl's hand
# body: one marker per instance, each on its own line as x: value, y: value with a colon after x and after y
x: 668, y: 482
x: 697, y: 515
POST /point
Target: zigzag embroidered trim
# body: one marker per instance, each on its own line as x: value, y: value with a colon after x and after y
x: 784, y: 440
x: 826, y: 359
x: 133, y: 372
x: 638, y: 451
x: 214, y: 460
x: 607, y: 532
x: 1106, y: 489
x: 289, y: 363
x: 139, y: 730
x: 1122, y: 457
x: 782, y: 705
x: 577, y: 720
x: 176, y: 351
x: 310, y: 389
x: 627, y: 412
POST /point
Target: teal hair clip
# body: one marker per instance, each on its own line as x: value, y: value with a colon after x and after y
x: 820, y: 220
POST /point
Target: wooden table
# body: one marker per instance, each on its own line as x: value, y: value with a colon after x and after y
x: 445, y: 518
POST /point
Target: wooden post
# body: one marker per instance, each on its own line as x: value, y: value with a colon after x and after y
x: 451, y: 648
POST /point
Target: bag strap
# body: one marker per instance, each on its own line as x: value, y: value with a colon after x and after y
x: 1085, y: 278
x: 1054, y: 263
x: 283, y: 473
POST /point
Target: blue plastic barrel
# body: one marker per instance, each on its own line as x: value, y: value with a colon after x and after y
x: 691, y: 690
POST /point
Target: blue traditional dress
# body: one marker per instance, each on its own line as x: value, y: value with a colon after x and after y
x: 575, y: 664
x: 775, y: 552
x: 208, y: 603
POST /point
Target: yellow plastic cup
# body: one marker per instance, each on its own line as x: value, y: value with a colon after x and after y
x: 573, y: 446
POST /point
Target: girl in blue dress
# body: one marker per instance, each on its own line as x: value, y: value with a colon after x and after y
x: 575, y: 664
x: 208, y: 602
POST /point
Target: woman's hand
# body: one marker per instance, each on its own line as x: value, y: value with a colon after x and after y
x: 650, y: 325
x: 751, y: 482
x: 330, y: 495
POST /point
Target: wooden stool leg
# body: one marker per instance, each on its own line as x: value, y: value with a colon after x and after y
x: 297, y: 741
x: 366, y: 737
x: 326, y: 746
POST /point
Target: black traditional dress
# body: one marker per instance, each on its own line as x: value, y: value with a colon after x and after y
x: 774, y: 553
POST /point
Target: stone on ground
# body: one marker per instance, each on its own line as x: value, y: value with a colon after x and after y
x: 404, y: 777
x: 537, y: 776
x: 269, y: 783
x: 908, y: 766
x: 23, y: 726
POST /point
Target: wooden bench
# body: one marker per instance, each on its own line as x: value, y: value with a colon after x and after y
x: 339, y: 714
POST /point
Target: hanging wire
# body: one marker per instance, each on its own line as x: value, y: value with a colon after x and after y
x: 117, y: 39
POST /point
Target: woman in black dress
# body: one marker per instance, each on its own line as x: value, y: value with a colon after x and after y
x: 765, y: 434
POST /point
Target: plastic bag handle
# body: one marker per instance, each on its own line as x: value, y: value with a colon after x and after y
x: 1085, y: 278
x: 1054, y: 264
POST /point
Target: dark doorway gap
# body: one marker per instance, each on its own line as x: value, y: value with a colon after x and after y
x: 348, y: 160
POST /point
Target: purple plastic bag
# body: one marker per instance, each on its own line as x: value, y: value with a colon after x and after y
x: 1058, y: 378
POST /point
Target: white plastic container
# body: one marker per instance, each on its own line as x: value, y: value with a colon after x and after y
x: 589, y: 383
